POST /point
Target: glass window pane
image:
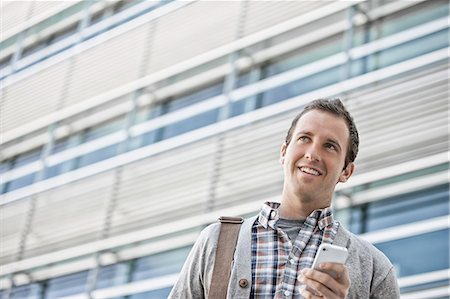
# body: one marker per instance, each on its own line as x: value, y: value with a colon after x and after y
x: 112, y: 275
x: 304, y: 56
x: 301, y: 86
x: 418, y: 254
x: 66, y: 285
x: 409, y: 50
x: 98, y: 155
x: 416, y: 15
x: 190, y: 124
x: 160, y: 264
x: 59, y: 169
x: 148, y: 112
x: 243, y: 106
x: 4, y: 166
x: 29, y: 291
x: 408, y: 208
x: 194, y: 97
x: 27, y: 158
x: 20, y: 182
x: 104, y: 129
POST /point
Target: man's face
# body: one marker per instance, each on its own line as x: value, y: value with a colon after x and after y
x: 313, y: 162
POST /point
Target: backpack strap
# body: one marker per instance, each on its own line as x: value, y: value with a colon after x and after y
x: 226, y: 245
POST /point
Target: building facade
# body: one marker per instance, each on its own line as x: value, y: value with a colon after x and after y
x: 128, y: 126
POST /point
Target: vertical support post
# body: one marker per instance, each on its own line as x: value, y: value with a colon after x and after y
x: 229, y: 84
x: 20, y: 41
x: 117, y: 179
x: 348, y: 43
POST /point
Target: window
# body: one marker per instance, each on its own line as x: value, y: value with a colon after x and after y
x: 402, y: 52
x: 103, y: 129
x: 112, y: 275
x: 97, y: 132
x: 408, y: 208
x: 301, y: 86
x: 19, y: 161
x: 305, y: 55
x: 190, y: 124
x: 160, y: 264
x: 415, y: 15
x: 194, y: 97
x: 20, y: 182
x: 29, y: 291
x: 66, y: 285
x: 398, y: 210
x: 429, y: 252
x: 97, y: 156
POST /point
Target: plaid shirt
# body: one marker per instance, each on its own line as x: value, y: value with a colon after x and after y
x: 276, y: 260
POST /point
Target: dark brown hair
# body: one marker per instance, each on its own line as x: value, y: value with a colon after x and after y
x: 335, y: 107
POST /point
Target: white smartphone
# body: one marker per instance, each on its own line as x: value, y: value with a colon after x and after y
x: 328, y: 253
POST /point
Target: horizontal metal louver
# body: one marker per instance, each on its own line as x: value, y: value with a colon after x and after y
x: 251, y: 160
x: 71, y: 215
x: 158, y: 189
x: 40, y: 7
x: 108, y: 65
x: 14, y: 13
x: 33, y: 97
x: 193, y: 30
x: 264, y: 14
x: 12, y: 224
x: 402, y: 120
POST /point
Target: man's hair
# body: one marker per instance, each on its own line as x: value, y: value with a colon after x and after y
x: 335, y: 107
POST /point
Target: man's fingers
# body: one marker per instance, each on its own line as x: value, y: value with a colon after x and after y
x: 308, y: 294
x: 339, y: 270
x: 331, y: 281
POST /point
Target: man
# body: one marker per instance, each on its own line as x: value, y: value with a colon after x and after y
x: 275, y: 249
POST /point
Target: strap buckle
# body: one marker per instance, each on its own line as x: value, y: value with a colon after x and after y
x: 226, y: 219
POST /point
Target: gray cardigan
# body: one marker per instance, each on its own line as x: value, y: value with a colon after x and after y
x: 371, y: 273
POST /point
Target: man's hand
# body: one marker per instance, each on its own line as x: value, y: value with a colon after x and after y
x: 332, y: 281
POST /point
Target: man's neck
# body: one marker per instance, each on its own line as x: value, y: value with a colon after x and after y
x: 295, y: 208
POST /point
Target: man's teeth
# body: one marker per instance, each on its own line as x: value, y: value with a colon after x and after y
x: 309, y: 170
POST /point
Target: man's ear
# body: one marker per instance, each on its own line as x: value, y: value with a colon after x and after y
x: 282, y: 153
x: 347, y: 172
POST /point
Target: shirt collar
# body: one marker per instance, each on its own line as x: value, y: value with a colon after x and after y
x: 268, y: 216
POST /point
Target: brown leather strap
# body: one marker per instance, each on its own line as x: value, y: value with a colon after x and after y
x: 226, y: 245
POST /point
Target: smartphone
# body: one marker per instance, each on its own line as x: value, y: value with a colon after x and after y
x: 328, y: 253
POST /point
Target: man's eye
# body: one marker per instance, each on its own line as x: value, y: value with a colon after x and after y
x: 330, y: 146
x: 303, y: 138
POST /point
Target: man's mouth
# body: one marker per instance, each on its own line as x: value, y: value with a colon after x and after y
x: 309, y: 170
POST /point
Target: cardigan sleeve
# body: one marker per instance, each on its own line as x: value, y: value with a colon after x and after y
x: 194, y: 279
x: 387, y: 288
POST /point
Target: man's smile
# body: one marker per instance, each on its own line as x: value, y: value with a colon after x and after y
x: 309, y: 170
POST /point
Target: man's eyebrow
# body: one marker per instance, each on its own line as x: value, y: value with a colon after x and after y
x: 304, y: 133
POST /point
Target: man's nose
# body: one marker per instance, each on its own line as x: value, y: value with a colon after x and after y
x: 312, y: 154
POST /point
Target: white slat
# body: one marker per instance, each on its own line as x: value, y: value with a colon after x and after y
x: 12, y: 222
x: 70, y: 215
x: 173, y: 183
x: 107, y: 66
x: 264, y: 14
x: 193, y: 30
x: 14, y: 13
x: 34, y: 97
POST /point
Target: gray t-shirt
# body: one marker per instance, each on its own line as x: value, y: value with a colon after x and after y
x: 290, y: 227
